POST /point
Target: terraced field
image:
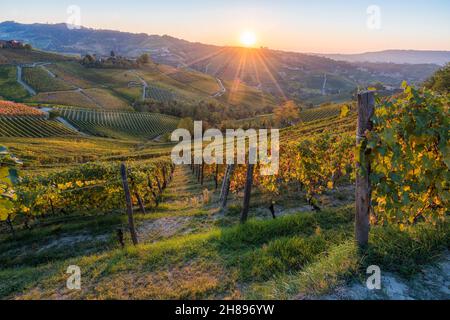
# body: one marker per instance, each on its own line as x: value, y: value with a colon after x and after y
x: 14, y: 56
x: 41, y: 81
x: 119, y: 124
x: 107, y: 100
x: 239, y: 94
x: 310, y: 115
x: 307, y: 117
x: 8, y: 108
x: 196, y: 80
x: 68, y: 98
x: 32, y: 127
x: 158, y: 94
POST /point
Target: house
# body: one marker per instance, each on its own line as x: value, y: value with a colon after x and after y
x: 11, y: 44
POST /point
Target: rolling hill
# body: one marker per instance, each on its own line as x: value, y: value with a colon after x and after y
x: 55, y: 79
x: 306, y: 78
x: 395, y: 56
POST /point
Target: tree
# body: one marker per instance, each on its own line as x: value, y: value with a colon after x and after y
x: 144, y: 59
x: 440, y: 81
x: 188, y: 124
x: 287, y: 114
x: 88, y: 59
x: 113, y: 54
x: 378, y: 86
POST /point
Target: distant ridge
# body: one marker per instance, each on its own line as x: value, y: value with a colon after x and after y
x: 58, y: 38
x: 395, y: 56
x: 280, y: 74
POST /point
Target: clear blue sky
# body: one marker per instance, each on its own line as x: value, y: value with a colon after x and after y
x: 307, y: 26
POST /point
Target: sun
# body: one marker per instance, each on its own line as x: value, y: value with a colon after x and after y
x: 248, y: 39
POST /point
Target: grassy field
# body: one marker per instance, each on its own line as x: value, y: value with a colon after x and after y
x: 41, y: 81
x: 67, y: 98
x: 189, y: 251
x: 9, y: 88
x: 117, y: 88
x: 107, y: 99
x: 41, y: 153
x: 15, y: 56
x: 239, y: 94
x: 198, y: 81
x: 189, y: 248
x: 70, y: 73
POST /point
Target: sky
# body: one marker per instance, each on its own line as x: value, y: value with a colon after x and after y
x: 322, y: 26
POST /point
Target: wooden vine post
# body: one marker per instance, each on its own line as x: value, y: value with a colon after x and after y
x: 202, y: 174
x: 366, y: 109
x: 138, y: 196
x: 224, y: 181
x: 226, y: 185
x: 216, y: 177
x: 247, y: 192
x: 126, y: 188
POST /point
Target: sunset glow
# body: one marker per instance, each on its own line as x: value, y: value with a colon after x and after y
x: 248, y: 39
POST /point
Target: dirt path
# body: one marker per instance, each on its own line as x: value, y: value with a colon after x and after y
x: 184, y: 209
x: 29, y: 89
x: 222, y: 91
x: 144, y: 86
x: 71, y: 127
x: 51, y: 74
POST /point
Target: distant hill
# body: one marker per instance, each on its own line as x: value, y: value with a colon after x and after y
x: 395, y: 56
x: 306, y: 78
x: 58, y: 38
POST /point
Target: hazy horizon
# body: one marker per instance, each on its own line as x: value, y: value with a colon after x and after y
x: 332, y: 27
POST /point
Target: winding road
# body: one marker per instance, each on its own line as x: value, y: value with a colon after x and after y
x: 22, y: 83
x: 222, y: 91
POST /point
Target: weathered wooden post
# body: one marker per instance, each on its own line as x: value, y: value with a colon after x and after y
x: 120, y: 238
x: 222, y: 189
x: 366, y: 109
x: 247, y: 192
x: 137, y: 195
x: 126, y: 188
x: 202, y: 174
x: 226, y: 185
x: 272, y: 210
x: 165, y: 181
x: 140, y: 202
x: 216, y: 177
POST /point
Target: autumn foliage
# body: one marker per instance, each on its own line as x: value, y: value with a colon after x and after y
x: 8, y: 108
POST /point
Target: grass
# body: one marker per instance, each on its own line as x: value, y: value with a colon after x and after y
x: 19, y: 56
x: 239, y: 94
x: 36, y: 152
x: 403, y: 252
x: 107, y: 99
x: 63, y: 72
x: 41, y: 81
x: 68, y: 98
x: 305, y: 254
x: 9, y: 88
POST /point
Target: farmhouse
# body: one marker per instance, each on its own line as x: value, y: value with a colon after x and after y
x: 11, y: 44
